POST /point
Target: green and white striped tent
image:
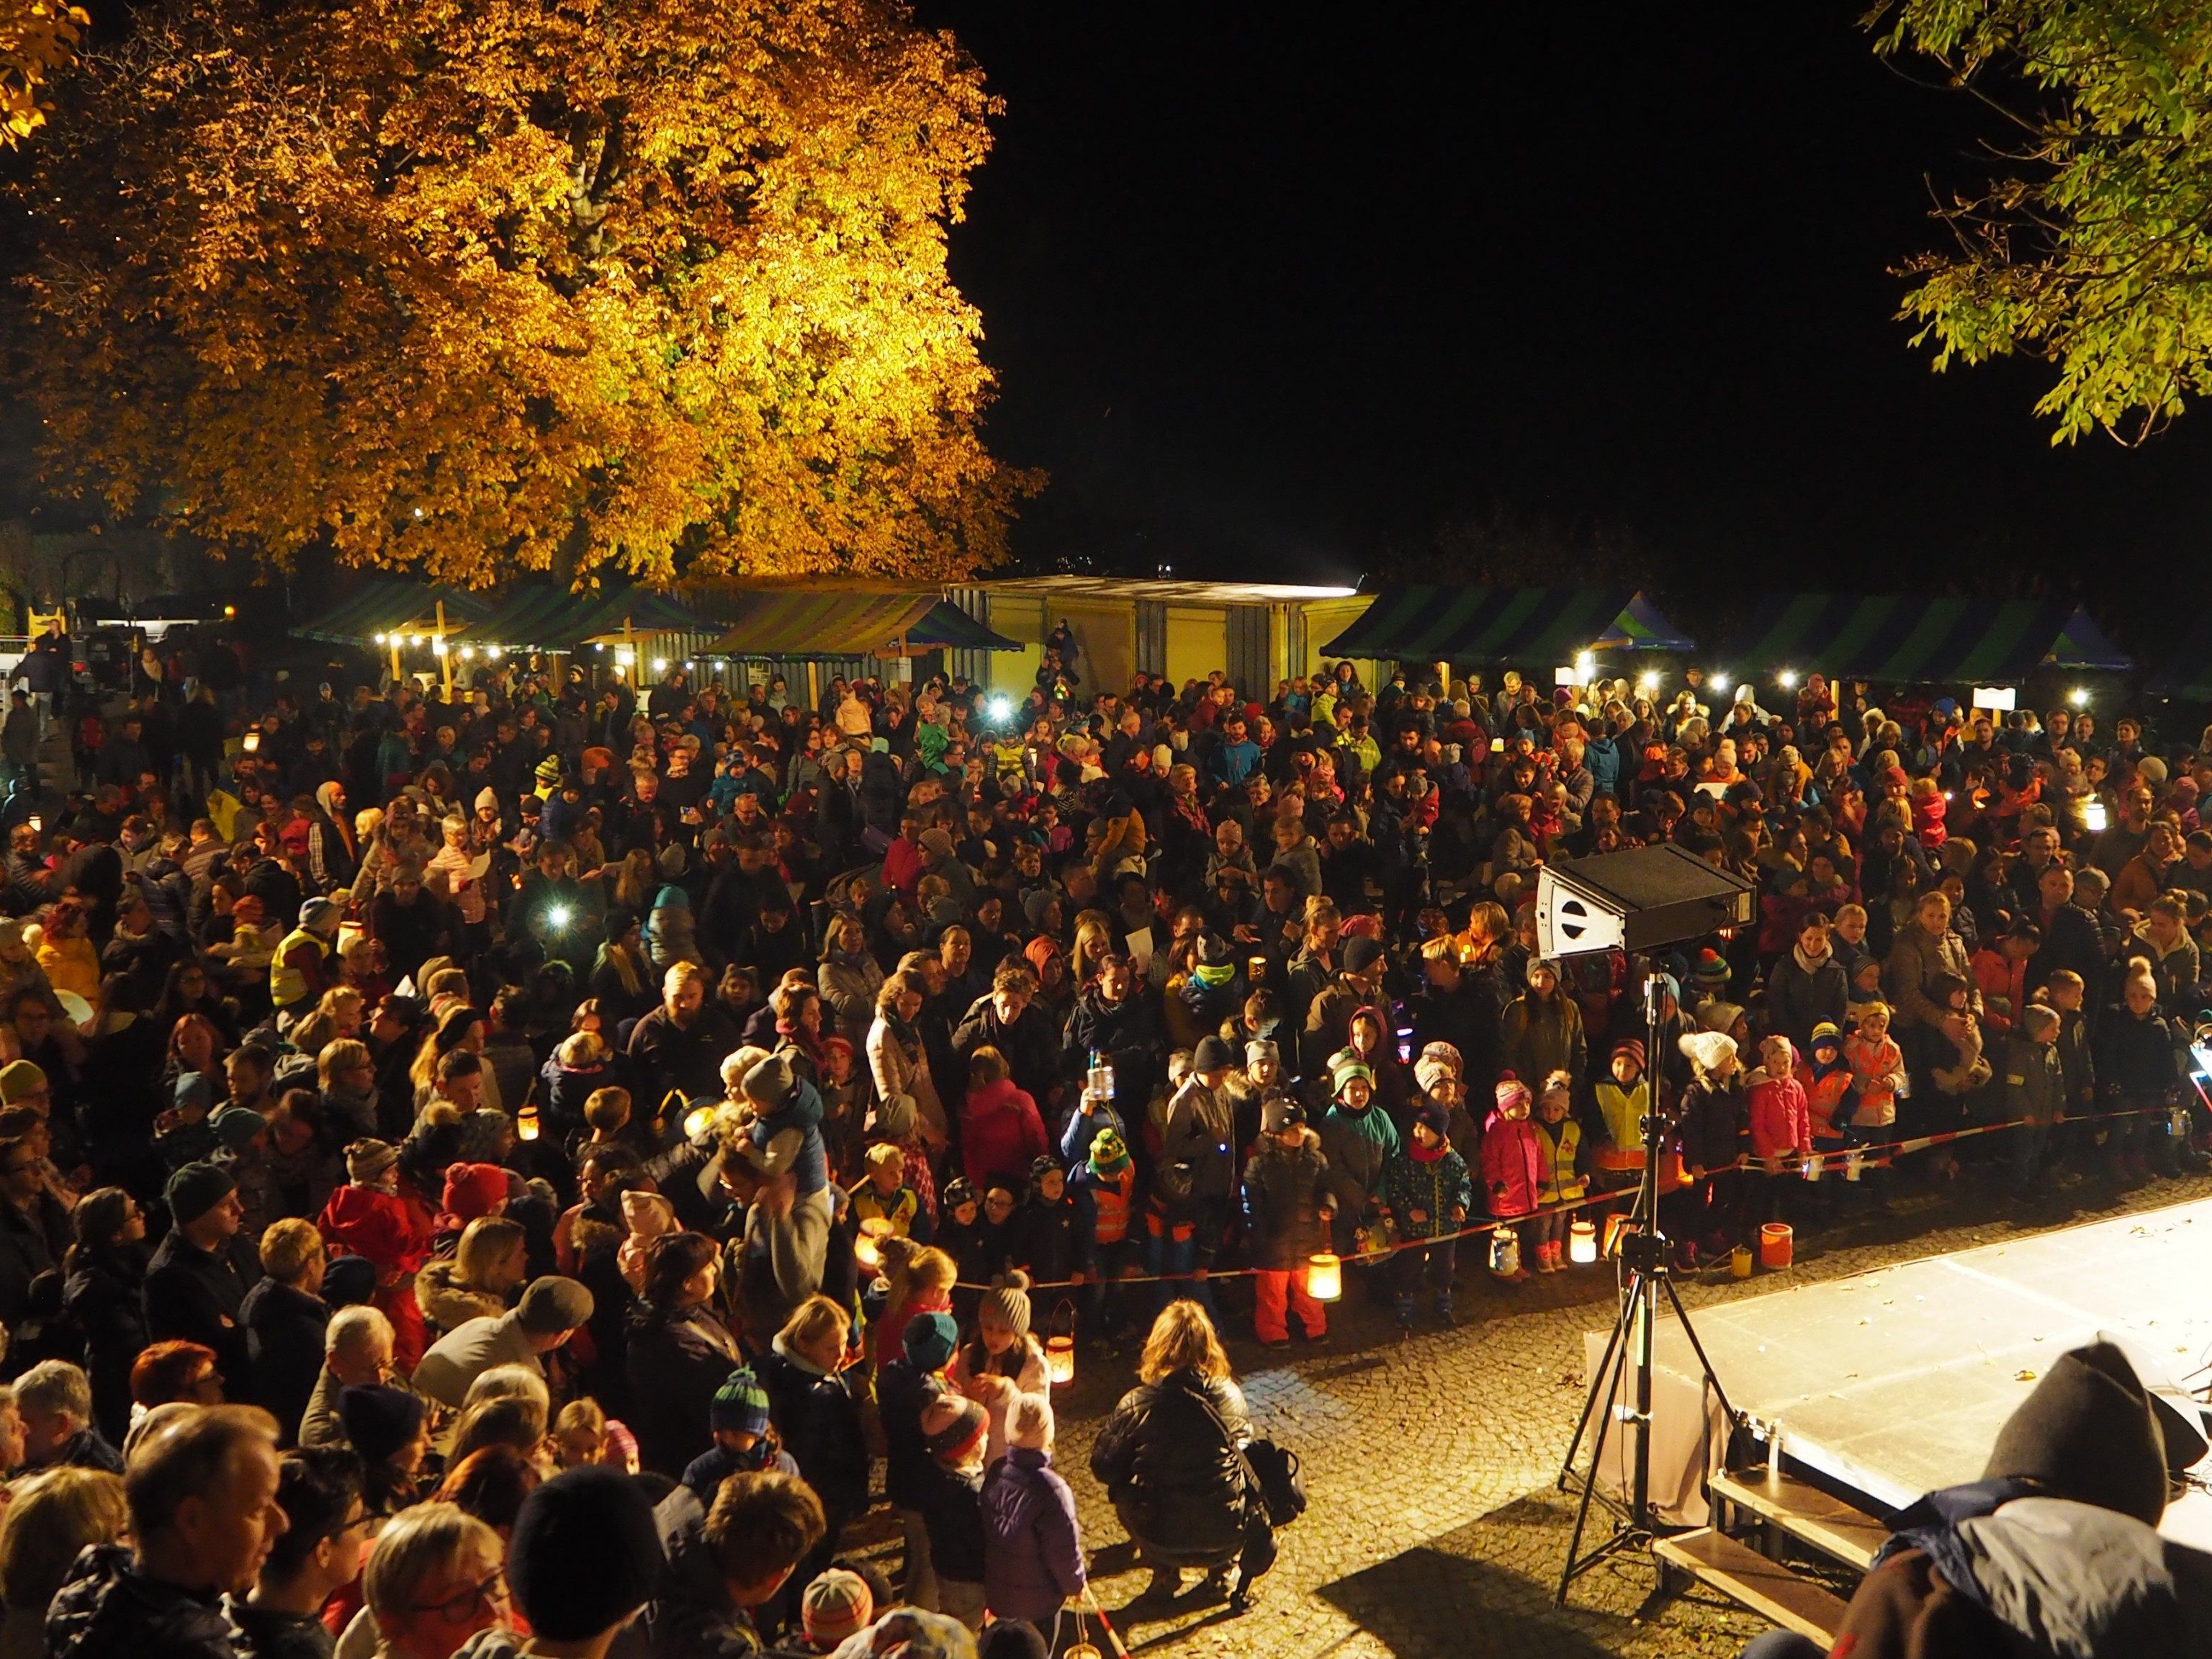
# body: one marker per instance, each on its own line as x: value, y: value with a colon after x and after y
x: 1917, y: 639
x: 1483, y: 626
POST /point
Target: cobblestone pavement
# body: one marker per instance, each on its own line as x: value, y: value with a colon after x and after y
x: 1434, y: 1528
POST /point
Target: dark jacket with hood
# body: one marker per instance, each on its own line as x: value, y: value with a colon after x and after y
x: 2055, y: 1552
x: 107, y: 1609
x: 1175, y: 1477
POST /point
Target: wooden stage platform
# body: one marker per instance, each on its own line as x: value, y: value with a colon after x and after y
x: 1893, y: 1382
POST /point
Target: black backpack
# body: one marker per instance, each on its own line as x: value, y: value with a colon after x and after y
x: 1270, y: 1471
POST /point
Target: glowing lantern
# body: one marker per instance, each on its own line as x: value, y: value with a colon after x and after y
x: 866, y: 1250
x: 697, y: 1121
x: 526, y: 1124
x: 1581, y: 1242
x: 1325, y: 1278
x: 1060, y: 1360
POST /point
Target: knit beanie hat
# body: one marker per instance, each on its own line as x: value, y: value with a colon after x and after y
x: 549, y: 771
x: 1446, y: 1055
x: 368, y: 1160
x: 836, y: 1605
x: 894, y: 1117
x: 1212, y: 1055
x: 1633, y: 1048
x: 471, y: 1189
x: 349, y: 1281
x: 740, y: 1404
x: 378, y: 1420
x: 585, y: 1554
x: 1109, y: 1154
x: 1718, y: 1016
x: 769, y: 1083
x: 1361, y: 953
x: 1826, y: 1032
x: 21, y: 1078
x: 316, y: 912
x: 1028, y: 1422
x: 1009, y: 1299
x: 1712, y: 967
x: 1511, y: 1091
x: 1706, y: 1049
x: 191, y: 1093
x: 1345, y: 1071
x: 929, y: 1340
x: 1278, y: 1113
x: 1012, y: 1638
x: 1428, y: 1072
x: 553, y: 1304
x: 2088, y: 1433
x: 236, y: 1126
x: 1260, y: 1048
x: 196, y: 1189
x: 1435, y: 1119
x: 953, y: 1425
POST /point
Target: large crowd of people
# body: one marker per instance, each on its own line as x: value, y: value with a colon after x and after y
x: 510, y: 1165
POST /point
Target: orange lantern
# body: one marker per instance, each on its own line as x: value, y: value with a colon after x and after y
x: 1325, y: 1276
x: 526, y: 1124
x: 867, y: 1250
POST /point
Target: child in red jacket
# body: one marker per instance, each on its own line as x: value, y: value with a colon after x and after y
x: 1513, y: 1162
x: 1781, y: 1125
x: 368, y: 1217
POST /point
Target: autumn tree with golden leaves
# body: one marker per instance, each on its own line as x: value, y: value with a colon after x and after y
x: 650, y: 285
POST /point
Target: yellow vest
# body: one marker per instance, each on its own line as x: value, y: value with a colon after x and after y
x: 1562, y: 1185
x: 1623, y: 1110
x: 287, y: 984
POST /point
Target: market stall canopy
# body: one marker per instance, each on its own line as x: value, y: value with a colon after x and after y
x: 836, y: 623
x: 548, y: 618
x: 1486, y: 626
x: 2187, y: 674
x: 390, y: 605
x: 1919, y: 639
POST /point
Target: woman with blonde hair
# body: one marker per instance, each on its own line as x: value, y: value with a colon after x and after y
x: 435, y: 1579
x: 486, y: 1264
x: 850, y: 979
x: 898, y: 1061
x: 1171, y: 1458
x: 50, y: 1519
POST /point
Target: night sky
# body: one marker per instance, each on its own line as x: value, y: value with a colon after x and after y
x: 1274, y: 288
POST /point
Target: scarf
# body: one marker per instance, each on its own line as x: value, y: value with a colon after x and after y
x: 1427, y: 1154
x: 1812, y: 965
x: 807, y: 1042
x: 1213, y: 976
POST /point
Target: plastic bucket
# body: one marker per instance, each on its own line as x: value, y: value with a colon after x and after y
x: 1740, y: 1263
x: 1775, y: 1242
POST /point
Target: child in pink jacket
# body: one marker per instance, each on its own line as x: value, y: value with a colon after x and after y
x: 1781, y: 1114
x: 1513, y: 1162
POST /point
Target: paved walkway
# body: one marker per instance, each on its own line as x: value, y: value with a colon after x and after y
x: 1434, y: 1529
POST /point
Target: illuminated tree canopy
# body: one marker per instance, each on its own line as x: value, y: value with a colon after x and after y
x: 2092, y: 247
x: 653, y: 285
x: 37, y: 38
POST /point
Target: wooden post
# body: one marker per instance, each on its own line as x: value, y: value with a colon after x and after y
x: 813, y: 683
x: 445, y: 654
x: 394, y: 637
x: 629, y: 644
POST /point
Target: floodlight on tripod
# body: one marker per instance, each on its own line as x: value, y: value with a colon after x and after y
x: 1637, y: 901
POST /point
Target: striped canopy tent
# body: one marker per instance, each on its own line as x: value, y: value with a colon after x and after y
x: 1919, y: 639
x: 1481, y: 626
x: 384, y: 605
x: 799, y: 623
x: 545, y: 617
x: 2187, y: 676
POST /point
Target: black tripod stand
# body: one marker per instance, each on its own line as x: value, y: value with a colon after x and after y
x: 1644, y: 1253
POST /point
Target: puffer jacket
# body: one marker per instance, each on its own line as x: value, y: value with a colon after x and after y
x: 1781, y: 1113
x: 1285, y: 1191
x: 106, y: 1608
x: 820, y: 1427
x: 1032, y: 1549
x: 849, y: 982
x: 1915, y: 959
x: 1000, y: 1133
x: 1176, y: 1479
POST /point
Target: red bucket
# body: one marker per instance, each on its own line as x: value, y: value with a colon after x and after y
x: 1775, y: 1244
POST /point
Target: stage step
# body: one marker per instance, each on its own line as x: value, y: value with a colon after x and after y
x: 1743, y: 1575
x: 1806, y: 1513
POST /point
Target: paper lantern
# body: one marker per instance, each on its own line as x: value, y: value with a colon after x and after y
x: 868, y: 1251
x: 1060, y: 1360
x: 526, y: 1124
x: 1325, y: 1276
x: 1581, y: 1242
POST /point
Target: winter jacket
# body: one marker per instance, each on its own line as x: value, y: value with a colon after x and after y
x: 849, y: 982
x: 1798, y: 999
x: 194, y: 1295
x: 676, y: 1361
x: 1175, y: 1476
x: 394, y: 1234
x: 901, y: 1395
x: 1357, y: 1145
x: 901, y: 1067
x: 1030, y: 1045
x: 1915, y: 959
x: 1712, y: 1124
x: 107, y: 1609
x: 1561, y: 1144
x: 1127, y: 1033
x: 1285, y: 1192
x: 1201, y: 1132
x: 2135, y: 1057
x: 105, y: 1297
x: 1877, y: 1071
x: 1000, y: 1133
x: 820, y: 1426
x: 284, y: 1330
x: 952, y: 1506
x: 2034, y: 1082
x: 1781, y: 1114
x: 692, y: 1613
x: 1032, y: 1546
x: 1538, y: 1037
x: 1435, y: 1186
x: 1513, y: 1164
x: 446, y: 1303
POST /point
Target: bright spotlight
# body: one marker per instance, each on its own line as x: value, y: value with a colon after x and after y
x: 2079, y: 696
x: 1787, y: 680
x: 1648, y: 682
x: 1000, y: 708
x: 557, y: 916
x: 1720, y: 682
